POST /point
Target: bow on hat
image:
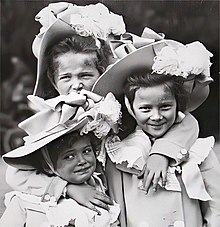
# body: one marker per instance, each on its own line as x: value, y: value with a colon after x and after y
x: 54, y: 116
x: 130, y: 42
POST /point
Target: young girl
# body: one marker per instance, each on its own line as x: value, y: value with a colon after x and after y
x: 62, y: 150
x: 191, y: 196
x: 157, y: 99
x: 88, y: 65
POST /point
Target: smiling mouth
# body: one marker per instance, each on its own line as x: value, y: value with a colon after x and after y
x: 82, y: 170
x: 156, y: 125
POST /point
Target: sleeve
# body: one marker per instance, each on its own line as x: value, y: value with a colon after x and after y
x: 33, y: 183
x: 16, y: 209
x: 179, y: 138
x: 210, y: 170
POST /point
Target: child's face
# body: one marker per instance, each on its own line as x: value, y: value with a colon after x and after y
x: 154, y: 109
x: 77, y: 163
x: 75, y: 70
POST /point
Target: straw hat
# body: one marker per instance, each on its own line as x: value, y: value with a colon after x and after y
x: 62, y: 20
x: 191, y: 62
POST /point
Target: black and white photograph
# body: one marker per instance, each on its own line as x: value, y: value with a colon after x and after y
x: 110, y: 113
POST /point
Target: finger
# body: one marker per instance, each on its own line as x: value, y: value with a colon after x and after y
x: 92, y: 207
x: 141, y: 174
x: 103, y: 198
x: 164, y: 178
x: 155, y: 181
x: 148, y: 181
x: 100, y: 204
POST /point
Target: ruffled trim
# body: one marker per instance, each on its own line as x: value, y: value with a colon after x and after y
x: 190, y: 172
x: 134, y: 149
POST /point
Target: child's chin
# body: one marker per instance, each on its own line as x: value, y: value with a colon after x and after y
x: 80, y: 180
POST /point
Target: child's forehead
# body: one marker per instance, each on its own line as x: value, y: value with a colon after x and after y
x: 74, y: 143
x: 160, y: 92
x: 87, y: 59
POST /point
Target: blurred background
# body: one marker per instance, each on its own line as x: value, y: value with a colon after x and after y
x: 184, y: 21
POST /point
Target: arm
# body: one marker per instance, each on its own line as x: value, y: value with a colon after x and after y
x: 14, y: 215
x: 50, y: 187
x: 33, y: 183
x: 179, y: 136
x: 210, y: 170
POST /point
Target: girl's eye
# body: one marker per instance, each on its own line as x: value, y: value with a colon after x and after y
x: 145, y: 108
x: 69, y: 157
x: 87, y: 151
x: 86, y: 76
x: 64, y: 77
x: 165, y: 107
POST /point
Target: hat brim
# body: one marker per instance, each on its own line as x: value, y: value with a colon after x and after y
x: 20, y: 158
x: 55, y: 33
x: 113, y: 79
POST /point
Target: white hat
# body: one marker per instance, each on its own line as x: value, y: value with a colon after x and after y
x: 62, y: 20
x: 190, y: 61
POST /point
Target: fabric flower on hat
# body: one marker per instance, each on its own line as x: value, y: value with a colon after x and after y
x: 183, y: 60
x: 95, y: 20
x: 104, y: 116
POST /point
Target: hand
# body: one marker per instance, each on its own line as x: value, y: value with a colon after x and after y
x: 155, y: 167
x: 89, y: 197
x: 91, y: 95
x: 75, y: 99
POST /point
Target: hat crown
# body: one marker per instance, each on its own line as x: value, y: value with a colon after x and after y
x: 54, y: 117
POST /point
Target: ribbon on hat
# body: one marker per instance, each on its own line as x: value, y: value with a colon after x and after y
x: 130, y: 42
x: 56, y: 115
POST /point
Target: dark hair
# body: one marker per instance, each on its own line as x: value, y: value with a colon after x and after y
x: 55, y: 147
x: 145, y: 78
x: 75, y: 44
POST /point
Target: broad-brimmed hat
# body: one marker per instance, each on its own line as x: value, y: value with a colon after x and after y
x: 62, y: 20
x: 163, y: 56
x: 56, y: 118
x: 42, y: 128
x: 55, y: 33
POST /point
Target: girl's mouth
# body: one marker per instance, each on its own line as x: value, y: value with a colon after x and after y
x: 82, y: 170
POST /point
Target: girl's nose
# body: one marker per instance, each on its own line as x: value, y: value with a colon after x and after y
x: 156, y: 116
x: 76, y: 84
x: 81, y: 160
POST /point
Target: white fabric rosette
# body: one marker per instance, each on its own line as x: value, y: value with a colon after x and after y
x: 183, y: 60
x: 95, y: 20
